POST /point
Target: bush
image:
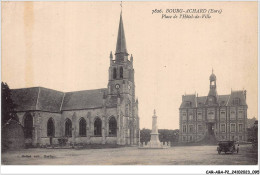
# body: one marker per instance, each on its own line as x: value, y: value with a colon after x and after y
x: 63, y: 141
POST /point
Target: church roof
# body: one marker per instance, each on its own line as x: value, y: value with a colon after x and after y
x: 37, y: 98
x: 83, y: 99
x: 25, y: 98
x: 43, y: 99
x: 121, y: 41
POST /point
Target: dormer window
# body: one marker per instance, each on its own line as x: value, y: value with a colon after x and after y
x: 188, y: 104
x: 236, y: 101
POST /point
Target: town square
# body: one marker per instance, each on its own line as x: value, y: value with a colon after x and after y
x: 136, y: 86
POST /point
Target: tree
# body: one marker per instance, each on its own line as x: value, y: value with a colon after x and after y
x: 252, y: 133
x: 8, y: 105
x: 145, y: 135
x: 165, y: 135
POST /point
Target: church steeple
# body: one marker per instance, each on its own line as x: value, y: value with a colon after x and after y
x: 121, y: 71
x: 121, y: 50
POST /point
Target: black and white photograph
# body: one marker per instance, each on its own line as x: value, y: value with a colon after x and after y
x: 138, y: 83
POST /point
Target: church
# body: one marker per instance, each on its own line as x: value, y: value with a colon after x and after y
x: 99, y: 116
x: 213, y: 117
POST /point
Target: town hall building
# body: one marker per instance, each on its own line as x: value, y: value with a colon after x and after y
x: 99, y: 116
x: 213, y: 117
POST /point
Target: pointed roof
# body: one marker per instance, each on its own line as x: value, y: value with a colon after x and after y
x: 188, y: 101
x: 237, y: 94
x: 121, y: 42
x: 212, y: 77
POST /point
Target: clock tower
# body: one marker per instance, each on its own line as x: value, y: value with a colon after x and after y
x: 121, y: 71
x: 213, y: 95
x: 121, y: 89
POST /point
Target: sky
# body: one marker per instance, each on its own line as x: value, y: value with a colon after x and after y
x: 66, y: 45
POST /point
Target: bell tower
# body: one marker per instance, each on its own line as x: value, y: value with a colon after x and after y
x: 121, y: 71
x: 213, y: 95
x: 212, y: 80
x: 121, y: 86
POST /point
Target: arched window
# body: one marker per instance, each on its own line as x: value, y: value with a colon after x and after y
x: 121, y: 72
x: 68, y: 128
x: 114, y: 73
x: 98, y: 127
x: 28, y: 126
x: 82, y: 127
x: 112, y: 126
x: 50, y: 128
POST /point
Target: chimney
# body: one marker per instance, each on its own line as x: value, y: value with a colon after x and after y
x: 245, y: 94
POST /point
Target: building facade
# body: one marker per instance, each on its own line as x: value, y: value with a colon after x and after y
x: 213, y: 117
x: 100, y: 116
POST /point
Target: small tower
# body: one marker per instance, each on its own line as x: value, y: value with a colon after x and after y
x: 213, y: 79
x: 213, y: 95
x: 121, y: 71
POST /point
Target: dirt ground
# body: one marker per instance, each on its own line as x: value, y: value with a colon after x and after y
x: 179, y: 155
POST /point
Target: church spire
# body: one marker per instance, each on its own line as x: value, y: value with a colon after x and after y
x: 121, y: 50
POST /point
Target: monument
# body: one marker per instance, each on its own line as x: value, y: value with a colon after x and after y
x: 155, y: 142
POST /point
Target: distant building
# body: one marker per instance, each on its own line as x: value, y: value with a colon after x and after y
x: 218, y: 117
x: 100, y: 116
